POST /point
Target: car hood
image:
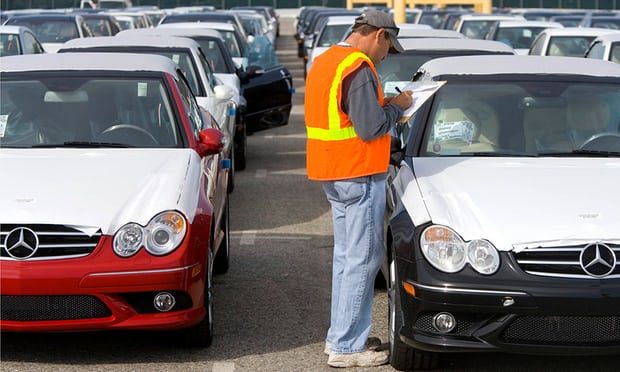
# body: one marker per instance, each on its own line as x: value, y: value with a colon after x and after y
x: 97, y: 188
x: 512, y: 201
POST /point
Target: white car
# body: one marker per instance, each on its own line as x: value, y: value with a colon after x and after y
x: 16, y: 40
x: 187, y: 54
x: 503, y: 232
x: 519, y: 35
x: 567, y: 42
x: 397, y: 70
x: 53, y: 29
x: 606, y: 47
x: 476, y: 26
x: 236, y: 45
x: 409, y: 32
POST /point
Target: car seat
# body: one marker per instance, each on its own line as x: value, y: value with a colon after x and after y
x: 587, y: 118
x: 546, y: 129
x: 479, y: 136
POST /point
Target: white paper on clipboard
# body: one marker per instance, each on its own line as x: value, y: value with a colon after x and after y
x: 422, y: 91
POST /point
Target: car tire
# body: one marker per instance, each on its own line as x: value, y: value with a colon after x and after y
x: 402, y: 356
x: 201, y: 335
x: 240, y: 151
x: 221, y: 262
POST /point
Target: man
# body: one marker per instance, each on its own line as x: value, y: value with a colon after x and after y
x: 348, y: 148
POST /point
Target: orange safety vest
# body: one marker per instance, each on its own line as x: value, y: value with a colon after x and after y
x: 334, y: 151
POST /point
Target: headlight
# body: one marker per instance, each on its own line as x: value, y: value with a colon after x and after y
x: 443, y: 248
x: 128, y: 240
x: 164, y: 233
x: 482, y: 256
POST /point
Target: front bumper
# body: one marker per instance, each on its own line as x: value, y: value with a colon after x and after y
x: 509, y: 311
x: 102, y: 291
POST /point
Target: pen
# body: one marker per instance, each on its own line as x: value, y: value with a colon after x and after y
x: 398, y: 90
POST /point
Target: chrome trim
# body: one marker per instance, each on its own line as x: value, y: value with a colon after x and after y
x: 55, y: 233
x: 49, y: 258
x: 146, y: 271
x: 467, y: 290
x: 538, y: 262
x: 572, y: 276
x: 518, y: 248
x: 80, y: 245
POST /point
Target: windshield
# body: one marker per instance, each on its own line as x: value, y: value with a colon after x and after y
x: 57, y: 111
x: 518, y: 37
x: 533, y: 118
x: 432, y: 19
x: 611, y: 23
x: 332, y: 34
x: 398, y: 69
x: 231, y: 43
x: 476, y: 29
x: 49, y: 31
x: 99, y: 27
x: 9, y: 45
x: 262, y: 53
x: 614, y: 55
x: 569, y: 46
x: 214, y: 55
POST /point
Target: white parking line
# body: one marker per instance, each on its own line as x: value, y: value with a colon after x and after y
x: 223, y: 367
x: 248, y: 237
x: 261, y: 173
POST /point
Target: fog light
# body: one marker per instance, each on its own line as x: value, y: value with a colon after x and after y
x: 444, y: 322
x: 164, y: 301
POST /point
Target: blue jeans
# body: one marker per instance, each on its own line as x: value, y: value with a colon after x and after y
x: 358, y: 210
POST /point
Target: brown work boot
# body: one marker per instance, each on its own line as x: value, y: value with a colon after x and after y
x: 367, y: 358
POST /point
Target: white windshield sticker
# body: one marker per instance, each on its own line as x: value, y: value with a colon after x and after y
x: 455, y: 130
x: 3, y: 120
x: 390, y: 86
x: 176, y: 58
x: 142, y: 89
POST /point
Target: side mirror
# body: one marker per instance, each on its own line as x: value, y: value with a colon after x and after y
x: 223, y: 92
x: 396, y: 151
x: 254, y: 71
x: 211, y: 141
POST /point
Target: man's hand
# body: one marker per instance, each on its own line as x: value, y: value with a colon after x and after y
x: 403, y: 100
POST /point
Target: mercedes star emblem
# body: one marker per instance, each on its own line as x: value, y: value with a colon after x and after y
x: 597, y: 260
x: 21, y: 243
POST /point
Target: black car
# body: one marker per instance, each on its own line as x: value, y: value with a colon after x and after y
x: 484, y: 252
x: 266, y: 85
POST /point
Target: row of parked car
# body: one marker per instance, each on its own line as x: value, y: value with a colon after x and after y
x: 126, y: 147
x: 501, y: 233
x: 318, y: 28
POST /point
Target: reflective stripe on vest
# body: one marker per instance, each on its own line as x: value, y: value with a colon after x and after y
x: 335, y: 132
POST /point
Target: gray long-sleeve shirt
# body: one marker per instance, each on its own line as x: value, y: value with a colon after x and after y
x: 359, y: 101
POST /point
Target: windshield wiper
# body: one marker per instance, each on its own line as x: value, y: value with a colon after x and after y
x: 495, y: 154
x: 83, y: 144
x: 592, y: 153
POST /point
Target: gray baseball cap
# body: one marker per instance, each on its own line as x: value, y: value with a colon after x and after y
x: 379, y: 19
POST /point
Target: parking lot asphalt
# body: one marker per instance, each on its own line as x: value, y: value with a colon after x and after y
x: 272, y: 307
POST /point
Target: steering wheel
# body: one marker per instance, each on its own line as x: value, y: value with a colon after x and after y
x: 602, y: 142
x: 130, y: 128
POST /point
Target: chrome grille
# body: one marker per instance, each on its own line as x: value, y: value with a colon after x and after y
x: 55, y: 241
x: 561, y: 261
